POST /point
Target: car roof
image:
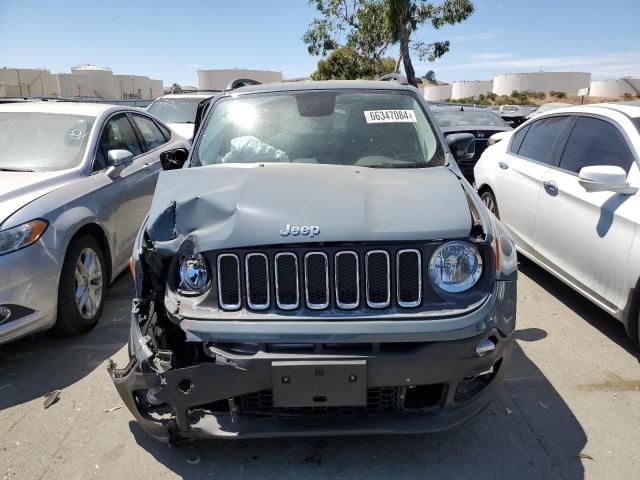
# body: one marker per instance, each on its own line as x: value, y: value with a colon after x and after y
x: 322, y: 85
x: 188, y: 95
x: 68, y: 108
x: 459, y: 108
x: 602, y: 108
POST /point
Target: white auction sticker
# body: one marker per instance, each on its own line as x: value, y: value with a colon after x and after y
x: 390, y: 116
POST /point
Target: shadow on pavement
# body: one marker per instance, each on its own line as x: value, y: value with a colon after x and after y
x: 593, y: 315
x: 527, y: 432
x: 33, y: 366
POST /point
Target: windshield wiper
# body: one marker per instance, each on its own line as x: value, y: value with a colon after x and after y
x: 7, y: 169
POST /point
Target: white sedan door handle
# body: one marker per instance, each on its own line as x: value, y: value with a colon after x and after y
x: 551, y: 187
x: 503, y: 165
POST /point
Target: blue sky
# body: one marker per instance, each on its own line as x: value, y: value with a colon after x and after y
x: 171, y: 40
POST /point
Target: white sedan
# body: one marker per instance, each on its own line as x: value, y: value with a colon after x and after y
x: 566, y: 184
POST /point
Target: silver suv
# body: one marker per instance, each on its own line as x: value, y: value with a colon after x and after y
x: 319, y: 266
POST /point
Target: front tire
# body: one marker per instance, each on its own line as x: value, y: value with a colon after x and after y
x: 81, y: 291
x: 489, y: 200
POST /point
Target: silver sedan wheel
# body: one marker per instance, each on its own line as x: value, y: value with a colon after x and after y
x: 88, y: 283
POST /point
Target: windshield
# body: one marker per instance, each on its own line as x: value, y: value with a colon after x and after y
x: 372, y: 129
x: 42, y: 141
x: 175, y: 110
x: 457, y: 118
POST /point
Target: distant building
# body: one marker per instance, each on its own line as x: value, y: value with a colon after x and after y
x: 84, y: 81
x: 568, y: 82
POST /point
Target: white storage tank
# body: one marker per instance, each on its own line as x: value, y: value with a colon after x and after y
x: 27, y: 82
x: 219, y: 79
x: 436, y: 93
x: 615, y: 88
x: 142, y: 86
x: 471, y: 88
x: 568, y: 82
x: 157, y: 89
x: 95, y: 81
x: 66, y: 85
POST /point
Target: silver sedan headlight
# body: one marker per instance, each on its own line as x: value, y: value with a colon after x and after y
x: 15, y: 238
x: 194, y: 272
x: 455, y: 266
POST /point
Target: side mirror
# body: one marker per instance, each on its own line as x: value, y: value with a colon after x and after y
x: 462, y: 145
x: 605, y: 178
x: 117, y: 161
x: 174, y: 159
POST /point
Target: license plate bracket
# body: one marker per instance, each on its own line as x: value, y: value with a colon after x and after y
x: 319, y: 383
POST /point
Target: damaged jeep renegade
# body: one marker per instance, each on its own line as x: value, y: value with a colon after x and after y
x: 318, y: 265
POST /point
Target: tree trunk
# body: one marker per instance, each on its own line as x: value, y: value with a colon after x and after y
x: 397, y: 70
x: 404, y: 53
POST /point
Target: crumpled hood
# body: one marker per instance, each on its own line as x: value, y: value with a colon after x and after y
x: 232, y: 206
x: 18, y: 189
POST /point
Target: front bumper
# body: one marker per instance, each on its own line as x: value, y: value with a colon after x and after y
x: 208, y: 399
x: 29, y: 287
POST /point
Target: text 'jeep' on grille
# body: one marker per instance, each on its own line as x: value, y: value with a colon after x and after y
x: 318, y: 266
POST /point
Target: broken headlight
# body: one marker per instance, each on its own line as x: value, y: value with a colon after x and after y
x: 455, y: 266
x: 194, y: 273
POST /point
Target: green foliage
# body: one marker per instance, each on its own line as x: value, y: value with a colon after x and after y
x: 346, y: 63
x: 555, y: 94
x: 430, y: 76
x: 491, y: 96
x: 370, y: 27
x: 627, y: 96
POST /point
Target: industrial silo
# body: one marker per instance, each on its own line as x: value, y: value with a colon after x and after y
x: 219, y: 79
x: 567, y: 82
x: 436, y: 93
x: 471, y: 88
x: 615, y: 87
x: 95, y: 81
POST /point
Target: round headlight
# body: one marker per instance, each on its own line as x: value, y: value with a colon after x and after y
x: 194, y: 274
x: 455, y: 266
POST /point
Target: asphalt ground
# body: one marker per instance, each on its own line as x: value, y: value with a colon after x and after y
x: 569, y: 409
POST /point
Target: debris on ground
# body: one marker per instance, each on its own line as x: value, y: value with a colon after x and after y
x: 543, y: 406
x: 509, y: 411
x: 113, y: 409
x: 51, y: 398
x: 586, y: 455
x: 194, y: 460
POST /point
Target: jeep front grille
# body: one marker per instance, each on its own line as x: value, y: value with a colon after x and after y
x: 344, y: 279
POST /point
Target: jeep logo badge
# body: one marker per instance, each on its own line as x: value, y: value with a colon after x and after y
x: 306, y: 230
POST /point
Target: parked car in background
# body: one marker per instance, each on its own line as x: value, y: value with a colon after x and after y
x: 480, y: 122
x: 547, y: 107
x: 566, y: 185
x: 318, y: 267
x: 514, y: 115
x: 76, y: 181
x: 178, y: 110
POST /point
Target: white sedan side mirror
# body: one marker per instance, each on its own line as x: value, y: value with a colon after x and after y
x: 118, y: 160
x: 605, y: 178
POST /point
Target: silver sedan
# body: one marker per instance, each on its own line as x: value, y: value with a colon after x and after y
x: 76, y: 181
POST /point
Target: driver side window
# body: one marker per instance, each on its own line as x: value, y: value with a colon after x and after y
x: 117, y: 134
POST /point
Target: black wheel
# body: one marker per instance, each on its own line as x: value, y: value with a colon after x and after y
x: 489, y: 201
x: 81, y: 291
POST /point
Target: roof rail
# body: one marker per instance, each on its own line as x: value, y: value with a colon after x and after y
x: 394, y: 77
x: 241, y: 82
